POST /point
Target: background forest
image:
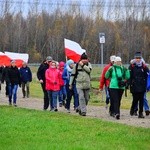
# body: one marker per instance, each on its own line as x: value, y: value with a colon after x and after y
x: 39, y: 28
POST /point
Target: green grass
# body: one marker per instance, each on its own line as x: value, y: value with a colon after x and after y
x: 22, y: 129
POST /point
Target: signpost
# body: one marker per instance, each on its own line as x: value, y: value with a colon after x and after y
x: 101, y: 41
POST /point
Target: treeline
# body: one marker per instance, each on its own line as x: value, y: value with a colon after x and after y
x: 40, y: 28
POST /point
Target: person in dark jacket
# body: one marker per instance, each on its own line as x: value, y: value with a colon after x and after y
x: 4, y: 76
x: 138, y: 83
x: 13, y: 79
x: 1, y: 72
x: 26, y: 78
x: 41, y: 77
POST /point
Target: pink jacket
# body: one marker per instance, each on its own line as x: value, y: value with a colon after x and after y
x: 61, y: 79
x: 52, y: 76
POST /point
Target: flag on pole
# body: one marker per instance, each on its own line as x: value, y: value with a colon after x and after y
x: 4, y: 59
x: 73, y: 50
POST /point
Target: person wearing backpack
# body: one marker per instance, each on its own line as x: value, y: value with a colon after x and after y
x: 81, y: 74
x: 138, y: 83
x: 118, y: 76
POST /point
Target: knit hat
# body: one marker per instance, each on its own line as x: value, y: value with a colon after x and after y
x: 70, y: 61
x: 112, y: 58
x: 61, y: 64
x: 84, y: 56
x: 138, y: 55
x: 49, y: 58
x: 117, y: 59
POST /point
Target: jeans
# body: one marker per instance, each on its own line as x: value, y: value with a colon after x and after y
x: 62, y: 94
x: 13, y: 92
x: 107, y: 95
x: 70, y: 93
x: 52, y: 95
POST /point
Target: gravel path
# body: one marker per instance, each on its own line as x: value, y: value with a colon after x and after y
x: 93, y: 111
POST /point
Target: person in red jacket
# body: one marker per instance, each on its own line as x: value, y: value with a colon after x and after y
x: 104, y: 81
x: 62, y: 92
x: 52, y: 77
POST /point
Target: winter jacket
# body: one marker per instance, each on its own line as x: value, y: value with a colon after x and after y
x: 13, y: 76
x: 81, y: 74
x: 52, y: 77
x: 103, y: 80
x: 61, y: 77
x: 26, y: 75
x: 148, y: 82
x: 138, y: 78
x: 121, y: 72
x: 1, y: 72
x: 41, y: 71
x: 66, y: 74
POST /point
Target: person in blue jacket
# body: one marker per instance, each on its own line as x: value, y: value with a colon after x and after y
x: 26, y: 78
x: 70, y: 92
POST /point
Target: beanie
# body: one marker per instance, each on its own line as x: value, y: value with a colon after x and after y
x: 61, y: 64
x: 84, y: 56
x: 138, y: 55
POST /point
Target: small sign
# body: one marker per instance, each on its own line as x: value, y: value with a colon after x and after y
x: 102, y: 38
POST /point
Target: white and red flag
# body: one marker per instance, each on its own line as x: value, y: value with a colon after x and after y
x: 73, y: 50
x: 5, y: 58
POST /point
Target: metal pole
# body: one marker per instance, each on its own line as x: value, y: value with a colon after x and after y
x: 102, y: 67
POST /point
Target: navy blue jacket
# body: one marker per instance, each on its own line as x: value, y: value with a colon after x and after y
x: 25, y: 74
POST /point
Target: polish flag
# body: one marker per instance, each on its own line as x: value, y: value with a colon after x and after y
x: 73, y: 50
x: 18, y: 57
x: 4, y: 59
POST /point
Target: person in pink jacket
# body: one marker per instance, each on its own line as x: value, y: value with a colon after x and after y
x: 52, y: 76
x: 62, y: 92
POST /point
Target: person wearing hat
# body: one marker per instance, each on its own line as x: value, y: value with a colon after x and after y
x: 81, y: 75
x: 26, y: 78
x: 138, y: 83
x: 41, y: 77
x: 70, y: 92
x: 104, y: 81
x: 13, y: 80
x: 118, y: 76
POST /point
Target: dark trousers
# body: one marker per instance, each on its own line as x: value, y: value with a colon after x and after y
x: 115, y: 96
x: 137, y: 97
x: 46, y: 100
x: 70, y: 93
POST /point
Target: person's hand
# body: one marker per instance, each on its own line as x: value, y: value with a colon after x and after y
x: 81, y: 63
x: 70, y: 87
x: 41, y: 81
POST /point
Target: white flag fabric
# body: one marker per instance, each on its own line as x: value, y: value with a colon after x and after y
x: 73, y: 50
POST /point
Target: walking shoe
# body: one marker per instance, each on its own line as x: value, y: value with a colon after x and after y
x: 147, y: 112
x: 68, y: 110
x: 111, y: 114
x: 135, y: 113
x: 141, y: 116
x: 117, y: 116
x: 15, y: 105
x: 83, y: 114
x: 77, y: 110
x: 131, y: 112
x: 55, y: 109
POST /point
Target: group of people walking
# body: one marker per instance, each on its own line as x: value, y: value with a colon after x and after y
x: 115, y: 77
x: 63, y: 81
x: 15, y: 77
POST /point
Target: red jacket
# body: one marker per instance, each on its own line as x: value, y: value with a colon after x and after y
x: 103, y: 80
x: 52, y: 76
x: 61, y: 78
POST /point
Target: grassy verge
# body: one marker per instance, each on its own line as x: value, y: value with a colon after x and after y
x: 29, y: 129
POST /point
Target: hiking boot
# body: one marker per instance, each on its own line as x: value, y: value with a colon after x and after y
x: 83, y: 114
x: 147, y: 112
x: 135, y: 113
x: 117, y: 116
x: 131, y: 112
x: 55, y: 109
x: 141, y: 116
